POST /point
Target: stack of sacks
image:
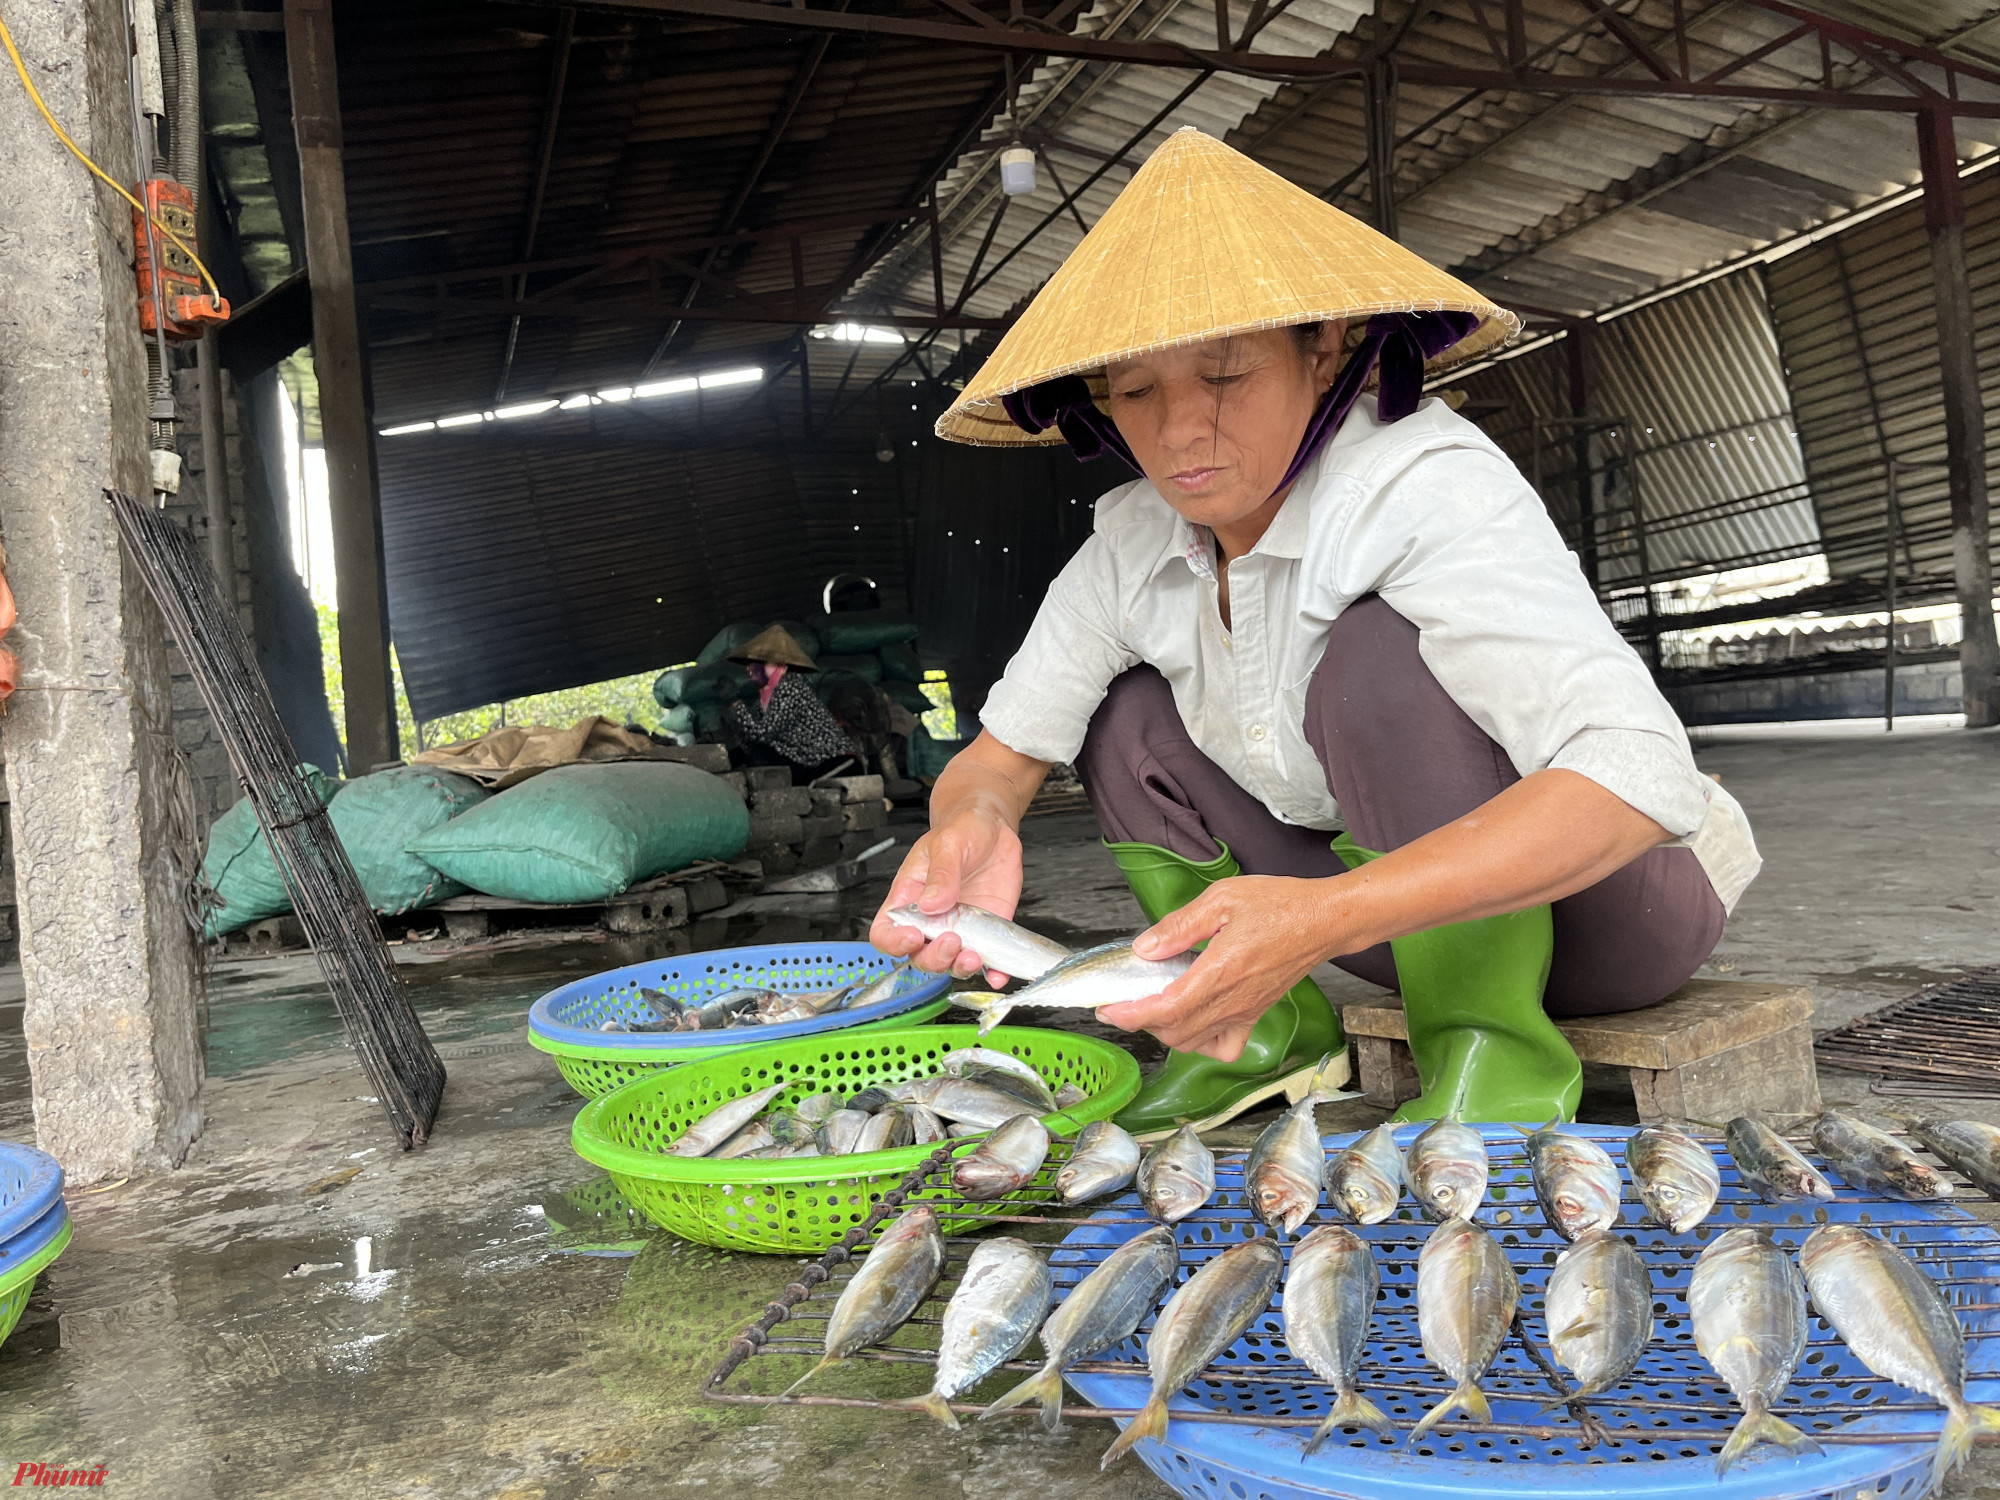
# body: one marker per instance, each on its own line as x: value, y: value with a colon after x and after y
x: 876, y: 645
x: 795, y: 828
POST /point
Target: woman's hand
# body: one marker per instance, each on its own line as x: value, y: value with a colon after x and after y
x: 974, y: 858
x: 1264, y: 934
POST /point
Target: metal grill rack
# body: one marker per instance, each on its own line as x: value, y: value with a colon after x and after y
x: 1943, y: 1037
x: 1239, y: 1430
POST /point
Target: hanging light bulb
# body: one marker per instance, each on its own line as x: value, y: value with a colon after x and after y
x: 885, y: 450
x: 1017, y: 171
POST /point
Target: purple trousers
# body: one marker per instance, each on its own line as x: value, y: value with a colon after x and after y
x: 1401, y: 759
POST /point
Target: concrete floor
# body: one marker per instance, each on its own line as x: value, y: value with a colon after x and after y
x: 453, y: 1347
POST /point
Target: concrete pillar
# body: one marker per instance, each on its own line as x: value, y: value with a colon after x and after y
x: 107, y: 957
x: 1964, y: 417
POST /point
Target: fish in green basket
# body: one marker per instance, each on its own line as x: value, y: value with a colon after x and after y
x: 1204, y: 1317
x: 1032, y: 1092
x: 964, y: 1101
x: 752, y: 1137
x: 719, y: 1124
x: 886, y: 1131
x: 989, y: 1060
x: 991, y: 1317
x: 842, y: 1129
x: 1972, y: 1146
x: 1900, y: 1324
x: 1177, y: 1176
x: 927, y: 1125
x: 1576, y: 1181
x: 1446, y: 1167
x: 1466, y: 1296
x: 1365, y: 1182
x: 1674, y: 1174
x: 896, y: 1275
x: 815, y: 1108
x: 1748, y: 1306
x: 1875, y: 1161
x: 1006, y: 1160
x: 1104, y: 1160
x: 1769, y: 1166
x: 1330, y: 1294
x: 1600, y: 1311
x: 1104, y: 1308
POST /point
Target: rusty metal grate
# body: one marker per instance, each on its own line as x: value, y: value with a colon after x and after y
x: 1948, y: 1035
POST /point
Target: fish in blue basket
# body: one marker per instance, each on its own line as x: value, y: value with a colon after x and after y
x: 1749, y: 1311
x: 1875, y: 1161
x: 1107, y: 1306
x: 1972, y: 1146
x: 1006, y: 1160
x: 1204, y: 1317
x: 1576, y: 1181
x: 1674, y: 1174
x: 1001, y: 945
x: 992, y: 1316
x: 1177, y: 1176
x: 1330, y: 1295
x: 867, y: 990
x: 1466, y: 1296
x: 896, y: 1275
x: 1104, y: 1160
x: 1283, y: 1175
x: 1769, y: 1166
x: 1446, y: 1168
x: 1104, y: 975
x: 1365, y: 1182
x: 1900, y: 1324
x: 719, y: 1124
x: 1600, y: 1311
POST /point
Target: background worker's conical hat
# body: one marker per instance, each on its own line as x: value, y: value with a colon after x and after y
x: 774, y: 643
x: 1204, y: 243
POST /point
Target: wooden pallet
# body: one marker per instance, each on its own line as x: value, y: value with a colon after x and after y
x: 655, y: 905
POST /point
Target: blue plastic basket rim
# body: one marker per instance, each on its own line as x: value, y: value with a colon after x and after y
x: 32, y: 1240
x: 1275, y: 1454
x: 542, y: 1014
x: 42, y: 1186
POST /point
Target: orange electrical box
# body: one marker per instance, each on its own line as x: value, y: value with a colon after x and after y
x: 189, y: 311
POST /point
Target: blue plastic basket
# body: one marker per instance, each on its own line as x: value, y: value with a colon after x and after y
x: 30, y: 1182
x: 565, y: 1022
x: 1669, y: 1419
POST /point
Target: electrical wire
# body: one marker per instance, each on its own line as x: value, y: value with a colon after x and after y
x: 34, y: 94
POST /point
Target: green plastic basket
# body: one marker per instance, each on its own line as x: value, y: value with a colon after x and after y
x: 18, y: 1284
x: 798, y: 1204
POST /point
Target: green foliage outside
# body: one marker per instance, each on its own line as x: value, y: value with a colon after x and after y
x: 941, y: 722
x: 623, y: 700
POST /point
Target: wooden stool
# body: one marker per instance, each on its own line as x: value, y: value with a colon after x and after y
x: 1710, y: 1051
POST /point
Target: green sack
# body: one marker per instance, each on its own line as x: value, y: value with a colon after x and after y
x: 909, y: 695
x: 717, y: 682
x: 926, y: 758
x: 900, y: 662
x: 826, y: 684
x: 376, y: 817
x: 710, y: 717
x: 679, y: 719
x: 584, y: 833
x: 866, y: 665
x: 862, y: 630
x: 243, y: 871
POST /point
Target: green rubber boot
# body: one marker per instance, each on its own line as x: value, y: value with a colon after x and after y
x: 1285, y: 1046
x: 1485, y: 1049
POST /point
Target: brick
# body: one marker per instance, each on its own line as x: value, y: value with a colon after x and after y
x: 795, y: 800
x: 775, y: 828
x: 768, y: 778
x: 827, y: 799
x: 858, y: 788
x: 705, y: 894
x: 861, y: 816
x: 779, y: 862
x: 827, y: 825
x: 737, y: 783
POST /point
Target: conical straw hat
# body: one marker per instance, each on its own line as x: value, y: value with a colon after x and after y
x: 774, y: 643
x: 1204, y: 243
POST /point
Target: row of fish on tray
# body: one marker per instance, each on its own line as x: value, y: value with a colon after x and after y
x: 1747, y: 1298
x: 756, y: 1005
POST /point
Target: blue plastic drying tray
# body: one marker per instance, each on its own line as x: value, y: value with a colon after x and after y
x: 30, y: 1181
x: 1675, y: 1411
x: 574, y: 1013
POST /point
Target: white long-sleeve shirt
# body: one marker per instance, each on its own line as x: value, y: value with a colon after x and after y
x: 1432, y: 516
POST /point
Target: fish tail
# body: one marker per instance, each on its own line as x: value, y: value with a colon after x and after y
x: 1045, y: 1388
x: 829, y: 1360
x: 1352, y: 1410
x: 1324, y: 1087
x: 933, y: 1403
x: 1964, y: 1424
x: 1150, y: 1423
x: 1760, y: 1426
x: 1466, y: 1397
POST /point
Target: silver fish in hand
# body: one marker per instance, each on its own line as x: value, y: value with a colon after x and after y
x: 1365, y: 1182
x: 1466, y: 1296
x: 1006, y: 1160
x: 1576, y: 1181
x: 1446, y: 1168
x: 1749, y: 1311
x: 1106, y: 1306
x: 1900, y: 1324
x: 720, y: 1123
x: 1105, y: 1159
x: 1674, y: 1174
x: 1330, y: 1295
x: 1770, y: 1167
x: 991, y: 1317
x: 1177, y: 1176
x: 1001, y: 945
x: 1600, y: 1311
x: 1105, y: 975
x: 1205, y: 1317
x: 1875, y: 1161
x: 895, y: 1276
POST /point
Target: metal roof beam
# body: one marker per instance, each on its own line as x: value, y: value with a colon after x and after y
x: 775, y: 314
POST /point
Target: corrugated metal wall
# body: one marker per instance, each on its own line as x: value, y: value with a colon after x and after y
x: 1857, y: 321
x: 1707, y: 435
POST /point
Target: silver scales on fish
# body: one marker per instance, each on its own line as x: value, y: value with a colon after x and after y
x: 754, y: 1005
x: 1745, y: 1311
